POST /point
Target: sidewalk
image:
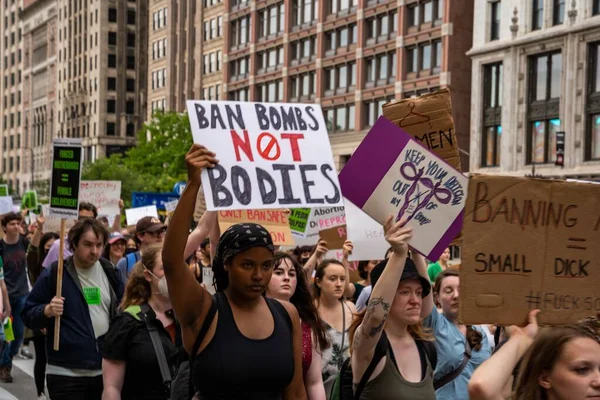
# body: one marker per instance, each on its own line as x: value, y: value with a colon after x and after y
x: 23, y: 387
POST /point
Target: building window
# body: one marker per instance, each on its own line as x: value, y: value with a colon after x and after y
x: 239, y: 3
x: 130, y: 130
x: 340, y: 119
x: 270, y: 60
x: 338, y: 6
x: 112, y: 38
x: 239, y: 68
x: 381, y: 69
x: 373, y: 109
x: 112, y: 61
x: 131, y: 17
x: 492, y: 115
x: 130, y: 39
x: 111, y: 106
x: 239, y: 95
x: 495, y: 11
x: 240, y: 31
x: 425, y: 58
x: 303, y: 50
x: 219, y: 26
x: 592, y: 142
x: 111, y: 84
x: 545, y: 73
x: 303, y: 85
x: 112, y: 15
x: 271, y: 20
x: 270, y: 91
x: 595, y: 7
x: 131, y: 85
x: 131, y: 62
x: 340, y: 38
x: 425, y: 12
x: 340, y: 78
x: 130, y: 107
x: 382, y: 26
x: 558, y: 12
x: 304, y: 12
x: 110, y: 128
x: 537, y: 15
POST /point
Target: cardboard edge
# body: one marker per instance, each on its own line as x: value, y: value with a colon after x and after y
x: 451, y: 233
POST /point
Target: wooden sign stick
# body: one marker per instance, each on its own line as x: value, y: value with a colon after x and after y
x: 59, y: 280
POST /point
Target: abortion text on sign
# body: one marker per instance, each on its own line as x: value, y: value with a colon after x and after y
x: 406, y: 181
x: 270, y: 155
x: 532, y: 244
x: 104, y: 195
x: 274, y: 221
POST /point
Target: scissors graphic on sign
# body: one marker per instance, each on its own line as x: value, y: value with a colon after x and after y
x: 410, y: 173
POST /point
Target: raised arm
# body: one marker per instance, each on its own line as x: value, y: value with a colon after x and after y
x: 315, y: 258
x: 215, y: 234
x: 349, y: 289
x: 190, y: 300
x: 33, y: 252
x: 490, y: 379
x: 203, y: 229
x: 116, y: 226
x: 369, y: 331
x: 421, y: 264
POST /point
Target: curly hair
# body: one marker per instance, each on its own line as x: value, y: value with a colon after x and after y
x: 302, y: 299
x: 138, y: 290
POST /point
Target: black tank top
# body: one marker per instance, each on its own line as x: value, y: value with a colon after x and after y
x: 233, y: 366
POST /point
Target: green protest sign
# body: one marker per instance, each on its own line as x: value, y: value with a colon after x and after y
x: 299, y: 220
x: 30, y: 200
x: 66, y: 177
x: 3, y: 190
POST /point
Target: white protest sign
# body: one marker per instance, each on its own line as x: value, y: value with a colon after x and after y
x: 271, y: 155
x: 365, y: 233
x: 133, y: 215
x: 105, y: 195
x: 320, y: 219
x: 52, y: 223
x: 6, y: 204
x: 32, y: 218
x: 207, y: 280
x: 170, y: 206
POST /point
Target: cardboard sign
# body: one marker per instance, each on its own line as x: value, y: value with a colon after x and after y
x: 274, y: 221
x: 105, y: 195
x: 428, y: 119
x: 299, y: 220
x: 6, y: 205
x: 52, y: 223
x: 271, y: 155
x: 407, y: 181
x: 335, y: 237
x: 532, y: 244
x: 366, y: 235
x: 3, y: 190
x: 66, y: 177
x: 133, y: 215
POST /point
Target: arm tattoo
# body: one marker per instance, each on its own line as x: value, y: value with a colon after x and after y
x: 371, y: 307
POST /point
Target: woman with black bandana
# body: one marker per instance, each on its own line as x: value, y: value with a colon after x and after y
x: 243, y: 345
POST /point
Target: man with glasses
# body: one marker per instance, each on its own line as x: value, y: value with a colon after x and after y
x: 148, y: 231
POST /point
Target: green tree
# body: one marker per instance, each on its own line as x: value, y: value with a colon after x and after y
x: 160, y: 151
x: 114, y: 169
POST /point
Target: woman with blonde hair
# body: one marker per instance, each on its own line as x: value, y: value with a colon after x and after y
x: 561, y: 363
x: 392, y: 355
x: 131, y: 364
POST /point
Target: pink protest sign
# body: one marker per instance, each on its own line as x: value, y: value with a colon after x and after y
x: 392, y: 174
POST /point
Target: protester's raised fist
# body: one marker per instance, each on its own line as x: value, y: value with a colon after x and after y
x: 321, y: 248
x: 197, y: 159
x: 347, y: 248
x: 40, y: 223
x: 397, y: 235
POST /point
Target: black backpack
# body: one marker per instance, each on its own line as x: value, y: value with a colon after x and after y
x: 343, y: 386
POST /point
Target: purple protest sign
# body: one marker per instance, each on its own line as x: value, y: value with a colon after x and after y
x: 392, y: 174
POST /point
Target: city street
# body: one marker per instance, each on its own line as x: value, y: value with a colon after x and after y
x: 23, y: 388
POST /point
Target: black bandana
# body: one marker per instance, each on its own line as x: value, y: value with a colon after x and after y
x: 239, y: 238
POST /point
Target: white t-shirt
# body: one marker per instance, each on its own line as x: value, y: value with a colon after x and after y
x: 96, y: 290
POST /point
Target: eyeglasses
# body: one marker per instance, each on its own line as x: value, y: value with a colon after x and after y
x: 157, y: 233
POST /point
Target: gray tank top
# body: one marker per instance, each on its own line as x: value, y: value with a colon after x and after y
x: 390, y: 385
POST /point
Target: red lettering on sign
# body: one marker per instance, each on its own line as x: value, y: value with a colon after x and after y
x: 341, y: 231
x: 265, y: 152
x: 278, y: 237
x: 293, y: 138
x: 244, y: 144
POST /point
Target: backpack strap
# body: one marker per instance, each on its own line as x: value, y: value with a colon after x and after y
x: 380, y: 351
x: 205, y: 326
x: 132, y: 258
x: 449, y: 377
x: 165, y: 371
x: 134, y: 311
